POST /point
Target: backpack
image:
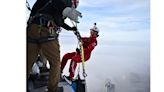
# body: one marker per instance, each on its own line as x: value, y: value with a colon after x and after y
x: 44, y: 4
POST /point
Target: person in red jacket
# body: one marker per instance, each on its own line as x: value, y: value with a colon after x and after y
x: 89, y: 43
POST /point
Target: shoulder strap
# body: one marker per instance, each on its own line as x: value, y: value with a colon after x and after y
x: 49, y: 2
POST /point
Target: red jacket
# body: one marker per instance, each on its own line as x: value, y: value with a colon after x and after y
x: 89, y: 44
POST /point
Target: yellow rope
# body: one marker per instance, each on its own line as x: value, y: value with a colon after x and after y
x: 82, y: 52
x: 82, y: 55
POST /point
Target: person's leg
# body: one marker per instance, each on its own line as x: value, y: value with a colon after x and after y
x: 75, y: 59
x: 32, y: 48
x: 72, y: 69
x: 44, y: 61
x: 65, y: 58
x: 52, y: 52
x: 32, y: 53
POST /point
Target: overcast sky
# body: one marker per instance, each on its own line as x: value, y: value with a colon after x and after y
x: 123, y: 51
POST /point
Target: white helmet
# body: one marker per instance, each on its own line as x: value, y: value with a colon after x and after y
x: 95, y: 29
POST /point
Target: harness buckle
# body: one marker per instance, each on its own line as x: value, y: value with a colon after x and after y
x: 51, y: 27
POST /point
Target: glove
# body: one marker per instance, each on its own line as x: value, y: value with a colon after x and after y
x: 78, y: 50
x: 74, y: 28
x: 72, y: 14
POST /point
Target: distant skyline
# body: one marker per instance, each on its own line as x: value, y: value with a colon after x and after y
x: 123, y: 48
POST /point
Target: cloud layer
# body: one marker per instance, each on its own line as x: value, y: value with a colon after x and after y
x: 123, y: 51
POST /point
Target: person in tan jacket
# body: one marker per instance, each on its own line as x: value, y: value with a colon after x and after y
x: 44, y: 23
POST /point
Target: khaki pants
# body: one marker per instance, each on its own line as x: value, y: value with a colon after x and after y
x: 50, y: 49
x: 43, y: 59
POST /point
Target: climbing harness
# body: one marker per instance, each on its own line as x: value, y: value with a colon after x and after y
x: 43, y: 20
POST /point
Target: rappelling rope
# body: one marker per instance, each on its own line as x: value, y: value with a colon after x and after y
x: 82, y: 54
x: 81, y: 49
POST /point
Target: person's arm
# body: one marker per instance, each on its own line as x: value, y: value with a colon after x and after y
x: 92, y: 45
x: 67, y: 27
